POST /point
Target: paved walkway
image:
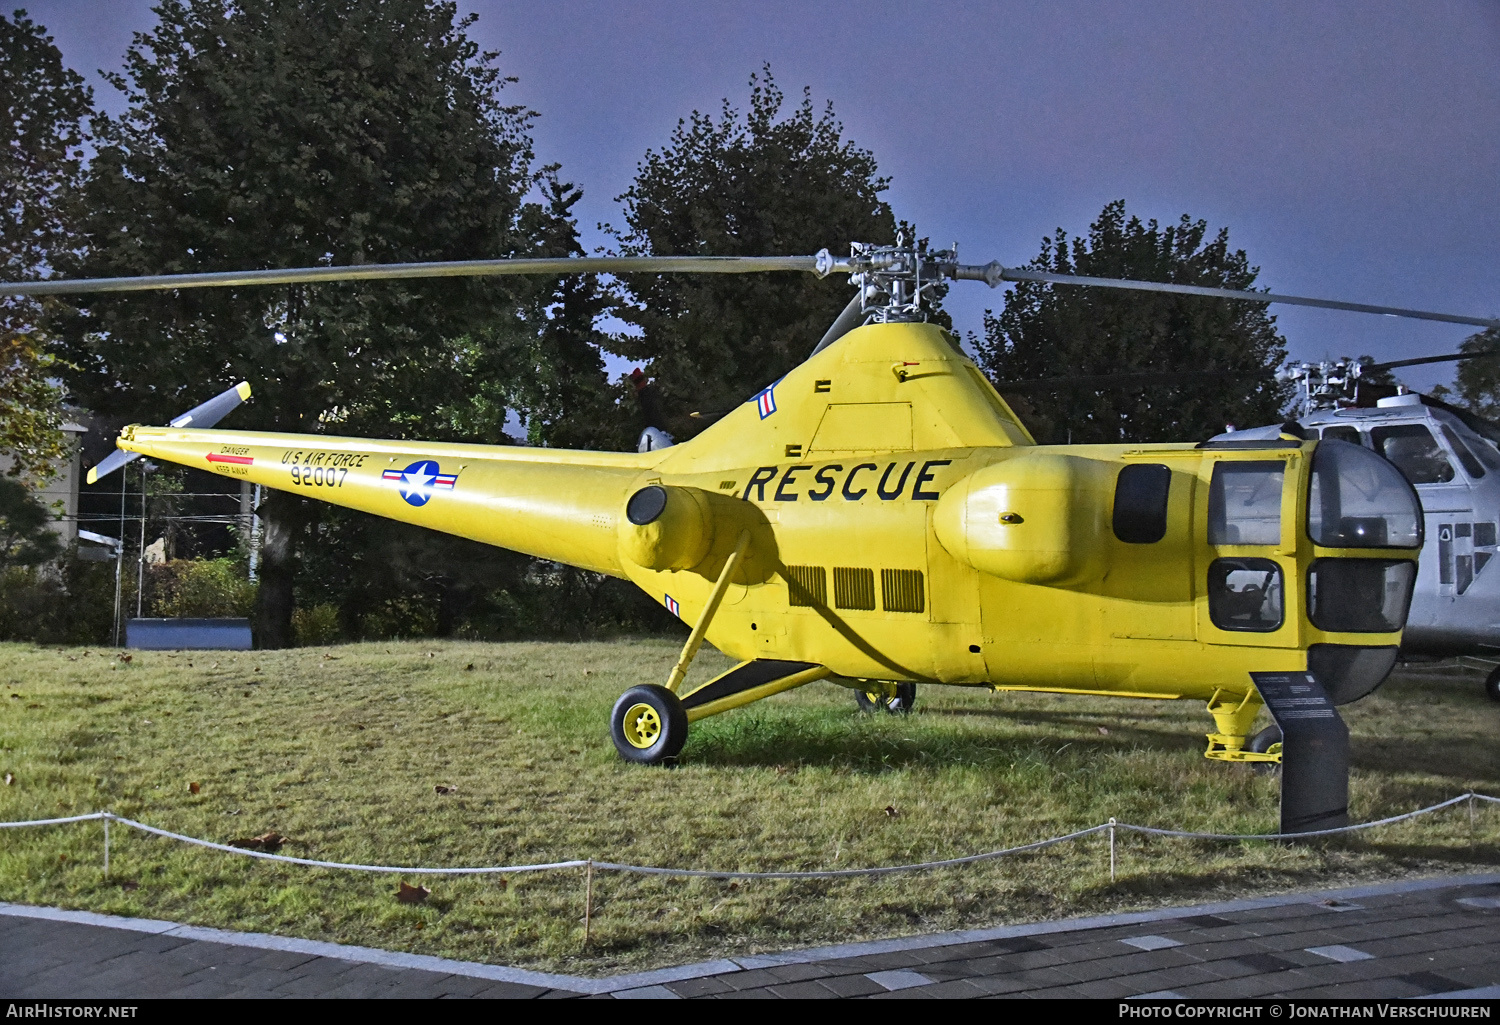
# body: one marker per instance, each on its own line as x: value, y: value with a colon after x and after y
x: 1438, y: 937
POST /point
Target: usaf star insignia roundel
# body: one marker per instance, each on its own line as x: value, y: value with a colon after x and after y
x: 420, y: 481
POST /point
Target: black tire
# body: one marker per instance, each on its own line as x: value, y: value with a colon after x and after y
x: 1262, y: 741
x: 1260, y: 744
x: 1492, y: 684
x: 648, y: 725
x: 875, y: 700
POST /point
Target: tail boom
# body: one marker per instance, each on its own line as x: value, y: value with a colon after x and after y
x: 550, y: 504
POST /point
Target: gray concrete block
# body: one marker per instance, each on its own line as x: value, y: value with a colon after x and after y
x: 763, y: 993
x: 704, y: 987
x: 800, y: 972
x: 808, y: 990
x: 852, y: 985
x: 752, y: 979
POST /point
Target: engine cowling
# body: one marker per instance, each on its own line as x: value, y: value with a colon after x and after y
x: 666, y: 527
x: 1036, y: 519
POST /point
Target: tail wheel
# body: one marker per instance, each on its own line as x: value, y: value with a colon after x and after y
x: 648, y: 725
x: 877, y: 700
x: 1492, y: 684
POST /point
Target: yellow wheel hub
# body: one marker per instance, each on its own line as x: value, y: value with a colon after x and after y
x: 642, y: 725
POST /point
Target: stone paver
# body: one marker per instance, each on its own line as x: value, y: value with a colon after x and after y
x: 1396, y: 941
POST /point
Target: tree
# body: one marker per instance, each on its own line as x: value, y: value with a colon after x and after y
x: 758, y: 185
x: 1065, y: 330
x: 1477, y: 380
x: 265, y: 133
x: 45, y: 105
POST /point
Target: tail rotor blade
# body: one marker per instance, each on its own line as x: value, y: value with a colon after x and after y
x: 201, y: 416
x: 110, y: 463
x: 215, y: 409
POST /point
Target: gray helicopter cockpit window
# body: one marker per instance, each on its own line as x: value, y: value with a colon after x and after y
x: 1471, y: 464
x: 1244, y: 503
x: 1413, y: 448
x: 1359, y: 500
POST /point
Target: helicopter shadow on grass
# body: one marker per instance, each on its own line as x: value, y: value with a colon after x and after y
x: 1470, y: 759
x: 862, y: 743
x: 1150, y: 728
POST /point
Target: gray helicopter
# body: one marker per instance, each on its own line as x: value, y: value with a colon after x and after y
x: 1452, y: 459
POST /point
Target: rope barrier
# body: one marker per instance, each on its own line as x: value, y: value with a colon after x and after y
x: 590, y: 865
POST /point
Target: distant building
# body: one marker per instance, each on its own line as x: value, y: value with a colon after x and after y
x: 60, y: 495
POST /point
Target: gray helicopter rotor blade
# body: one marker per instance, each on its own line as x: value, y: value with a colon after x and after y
x: 110, y: 463
x: 1450, y: 358
x: 994, y: 273
x: 848, y: 319
x: 1146, y: 379
x: 203, y: 415
x: 215, y: 409
x: 820, y: 265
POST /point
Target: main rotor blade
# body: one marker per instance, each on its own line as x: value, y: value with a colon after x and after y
x: 442, y: 269
x: 1018, y: 274
x: 1451, y: 357
x: 848, y: 319
x: 1147, y: 379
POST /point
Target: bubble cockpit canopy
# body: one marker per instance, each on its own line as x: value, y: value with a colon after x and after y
x: 1360, y: 500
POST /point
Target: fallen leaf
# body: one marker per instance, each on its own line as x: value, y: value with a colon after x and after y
x: 503, y: 883
x: 33, y: 704
x: 588, y: 672
x: 892, y: 811
x: 1103, y: 731
x: 469, y: 668
x: 445, y: 788
x: 257, y: 669
x: 147, y: 722
x: 421, y: 925
x: 412, y: 894
x: 194, y: 787
x: 268, y: 841
x: 10, y: 779
x: 126, y: 658
x: 130, y: 884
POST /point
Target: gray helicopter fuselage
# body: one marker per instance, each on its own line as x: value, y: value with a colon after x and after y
x: 1455, y: 607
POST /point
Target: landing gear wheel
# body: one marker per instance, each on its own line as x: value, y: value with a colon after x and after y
x: 876, y: 700
x: 648, y: 725
x: 1492, y: 684
x: 1261, y: 744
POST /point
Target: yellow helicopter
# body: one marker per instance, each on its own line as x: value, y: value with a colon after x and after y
x: 880, y: 518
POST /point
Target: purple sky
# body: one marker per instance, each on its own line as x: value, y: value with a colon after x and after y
x: 1353, y: 149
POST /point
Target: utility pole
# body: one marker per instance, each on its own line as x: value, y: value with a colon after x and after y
x: 140, y: 572
x: 119, y: 556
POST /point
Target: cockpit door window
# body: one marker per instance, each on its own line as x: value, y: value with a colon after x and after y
x: 1342, y: 433
x: 1244, y: 503
x: 1472, y: 465
x: 1415, y: 452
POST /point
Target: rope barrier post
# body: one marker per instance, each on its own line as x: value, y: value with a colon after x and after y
x: 1111, y: 849
x: 588, y: 900
x: 1471, y: 820
x: 106, y: 845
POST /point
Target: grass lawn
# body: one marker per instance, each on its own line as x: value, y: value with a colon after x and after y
x: 340, y: 749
